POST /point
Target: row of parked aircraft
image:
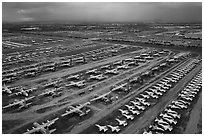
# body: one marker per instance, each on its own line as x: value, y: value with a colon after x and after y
x: 170, y: 115
x: 23, y: 103
x: 34, y: 69
x: 137, y: 106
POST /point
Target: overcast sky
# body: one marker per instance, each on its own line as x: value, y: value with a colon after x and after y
x: 101, y: 12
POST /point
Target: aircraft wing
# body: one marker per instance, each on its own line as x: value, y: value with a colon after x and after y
x: 77, y: 109
x: 101, y: 96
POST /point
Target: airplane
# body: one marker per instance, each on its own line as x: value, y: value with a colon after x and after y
x: 23, y: 92
x: 48, y: 92
x: 146, y: 103
x: 170, y: 120
x: 93, y: 71
x: 145, y: 96
x: 77, y: 84
x: 134, y: 80
x: 121, y: 122
x: 165, y: 80
x: 114, y: 128
x: 140, y: 107
x: 175, y: 115
x: 135, y: 103
x: 42, y: 128
x: 166, y: 126
x: 147, y: 132
x: 154, y: 96
x: 73, y: 77
x: 149, y: 93
x: 6, y: 89
x: 131, y: 117
x: 174, y: 106
x: 123, y: 111
x: 164, y: 115
x: 97, y: 77
x: 77, y: 110
x: 118, y: 62
x: 22, y: 103
x: 184, y: 102
x: 170, y: 111
x: 101, y: 128
x: 134, y: 112
x: 188, y: 95
x: 112, y: 71
x: 122, y: 67
x: 181, y: 105
x: 156, y: 127
x: 130, y: 107
x: 105, y: 67
x: 122, y: 87
x: 103, y: 97
x: 140, y: 99
x: 160, y: 121
x: 50, y: 83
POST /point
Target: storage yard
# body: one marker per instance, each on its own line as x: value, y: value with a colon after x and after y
x: 95, y: 81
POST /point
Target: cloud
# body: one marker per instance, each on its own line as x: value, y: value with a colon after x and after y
x: 102, y: 11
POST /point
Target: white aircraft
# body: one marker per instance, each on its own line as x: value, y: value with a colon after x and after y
x: 112, y: 71
x: 146, y: 103
x: 97, y: 77
x: 170, y: 111
x: 131, y: 117
x: 140, y: 107
x: 73, y: 77
x: 105, y: 67
x: 121, y: 122
x: 120, y: 87
x: 130, y: 107
x: 134, y: 80
x: 160, y: 121
x: 154, y: 96
x: 181, y: 105
x: 140, y: 99
x: 164, y: 115
x: 93, y: 71
x: 22, y: 103
x: 114, y: 128
x: 170, y: 120
x: 135, y: 103
x: 135, y: 112
x: 77, y: 84
x: 174, y: 115
x: 149, y: 93
x: 187, y: 98
x: 156, y: 127
x: 123, y: 111
x: 48, y: 92
x: 101, y: 128
x: 184, y: 102
x: 24, y: 92
x: 42, y: 128
x: 147, y: 132
x: 172, y: 106
x: 77, y: 110
x: 6, y: 89
x: 166, y: 126
x: 120, y: 62
x: 122, y: 67
x: 103, y: 97
x: 145, y: 96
